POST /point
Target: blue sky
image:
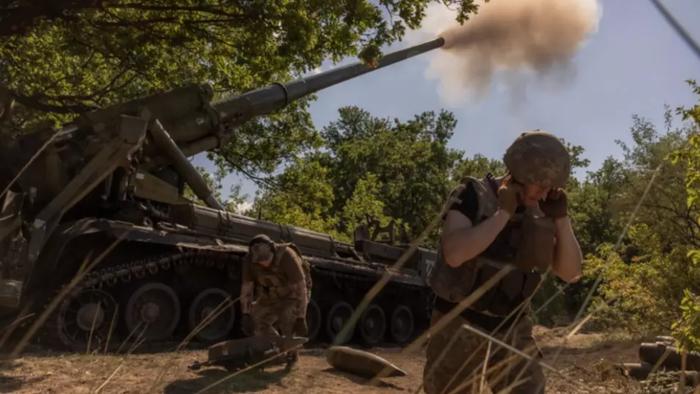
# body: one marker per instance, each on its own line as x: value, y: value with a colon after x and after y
x: 634, y: 64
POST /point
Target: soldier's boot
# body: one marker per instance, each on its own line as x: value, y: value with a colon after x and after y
x: 291, y: 358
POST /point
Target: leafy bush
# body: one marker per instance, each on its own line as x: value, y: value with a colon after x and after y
x: 651, y: 284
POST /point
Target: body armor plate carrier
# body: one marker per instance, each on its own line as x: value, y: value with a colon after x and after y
x: 271, y: 284
x: 527, y: 242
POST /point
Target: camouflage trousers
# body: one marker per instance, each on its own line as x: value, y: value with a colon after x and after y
x: 274, y: 317
x: 465, y: 363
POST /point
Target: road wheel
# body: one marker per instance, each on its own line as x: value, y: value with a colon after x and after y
x: 313, y: 319
x: 401, y: 325
x: 152, y: 312
x: 213, y: 305
x: 337, y: 318
x: 372, y: 325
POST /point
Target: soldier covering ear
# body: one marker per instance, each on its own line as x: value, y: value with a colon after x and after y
x: 498, y: 224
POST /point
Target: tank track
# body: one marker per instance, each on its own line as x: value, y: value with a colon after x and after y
x: 397, y: 293
x: 124, y: 274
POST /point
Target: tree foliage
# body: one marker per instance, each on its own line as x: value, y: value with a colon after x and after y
x: 302, y: 196
x: 376, y: 168
x: 370, y: 167
x: 410, y: 160
x: 651, y: 282
x: 59, y: 59
x: 687, y: 327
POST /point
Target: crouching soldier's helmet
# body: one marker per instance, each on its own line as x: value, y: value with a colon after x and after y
x: 260, y: 248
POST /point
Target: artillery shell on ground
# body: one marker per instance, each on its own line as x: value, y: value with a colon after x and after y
x: 240, y: 353
x: 360, y: 363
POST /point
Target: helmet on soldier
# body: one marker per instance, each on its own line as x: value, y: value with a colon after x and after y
x: 261, y: 249
x: 538, y: 157
x: 261, y: 238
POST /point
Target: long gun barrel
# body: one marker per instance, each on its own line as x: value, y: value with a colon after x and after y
x: 197, y: 125
x: 262, y: 101
x: 237, y: 110
x: 180, y: 123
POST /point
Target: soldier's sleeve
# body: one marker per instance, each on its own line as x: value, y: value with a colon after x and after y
x: 245, y: 271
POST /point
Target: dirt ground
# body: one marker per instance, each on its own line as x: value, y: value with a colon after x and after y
x: 585, y: 365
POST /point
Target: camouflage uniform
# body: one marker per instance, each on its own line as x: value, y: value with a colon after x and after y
x: 275, y: 304
x: 459, y: 369
x: 456, y: 357
x: 268, y: 315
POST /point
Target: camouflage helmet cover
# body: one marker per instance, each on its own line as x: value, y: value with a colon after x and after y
x: 538, y: 157
x: 257, y: 252
x: 264, y: 238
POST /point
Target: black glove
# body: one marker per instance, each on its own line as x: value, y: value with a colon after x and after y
x: 556, y: 205
x: 247, y: 325
x: 300, y: 328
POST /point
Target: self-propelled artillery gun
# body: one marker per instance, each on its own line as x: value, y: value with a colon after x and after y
x: 93, y: 217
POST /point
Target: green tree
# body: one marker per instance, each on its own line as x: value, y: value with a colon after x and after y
x: 366, y: 201
x: 387, y: 169
x: 665, y: 207
x: 687, y: 327
x: 651, y: 283
x: 595, y: 206
x: 59, y: 59
x: 410, y: 160
x: 302, y: 196
x: 478, y: 166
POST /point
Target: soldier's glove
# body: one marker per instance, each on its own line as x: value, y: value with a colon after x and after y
x: 555, y: 205
x: 508, y: 195
x: 300, y: 328
x: 247, y: 325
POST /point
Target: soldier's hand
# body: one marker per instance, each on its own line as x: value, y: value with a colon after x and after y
x: 247, y: 325
x: 508, y: 195
x: 556, y: 204
x: 300, y: 327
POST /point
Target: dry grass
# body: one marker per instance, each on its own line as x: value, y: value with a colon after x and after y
x: 584, y: 358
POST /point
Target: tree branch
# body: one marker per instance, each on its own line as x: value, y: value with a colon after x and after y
x: 36, y: 102
x: 21, y: 18
x: 267, y: 181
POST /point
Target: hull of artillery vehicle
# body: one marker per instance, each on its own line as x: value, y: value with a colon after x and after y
x: 98, y: 245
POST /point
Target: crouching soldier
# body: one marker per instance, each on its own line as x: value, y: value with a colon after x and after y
x: 275, y: 291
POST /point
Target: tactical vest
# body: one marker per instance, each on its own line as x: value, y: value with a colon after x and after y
x: 271, y: 284
x: 305, y: 266
x: 527, y: 242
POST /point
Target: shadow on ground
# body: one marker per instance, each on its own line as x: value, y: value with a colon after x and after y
x: 9, y: 384
x: 254, y: 380
x: 360, y: 380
